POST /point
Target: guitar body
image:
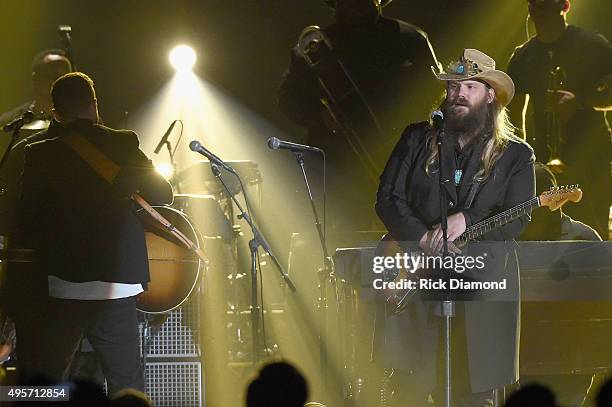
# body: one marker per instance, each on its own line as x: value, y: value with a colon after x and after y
x: 174, y: 269
x: 396, y: 298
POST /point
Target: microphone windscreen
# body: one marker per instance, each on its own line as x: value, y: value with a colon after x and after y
x: 437, y: 117
x: 194, y: 145
x: 273, y: 143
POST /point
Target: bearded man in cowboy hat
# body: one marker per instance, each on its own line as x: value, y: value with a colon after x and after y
x: 487, y: 169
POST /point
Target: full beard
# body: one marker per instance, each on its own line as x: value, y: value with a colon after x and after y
x: 469, y: 125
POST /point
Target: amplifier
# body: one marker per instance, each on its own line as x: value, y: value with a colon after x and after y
x: 178, y: 336
x: 175, y: 384
x: 170, y: 344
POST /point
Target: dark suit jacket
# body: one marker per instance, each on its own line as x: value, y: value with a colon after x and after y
x: 10, y: 180
x: 390, y: 63
x: 82, y: 227
x: 408, y: 202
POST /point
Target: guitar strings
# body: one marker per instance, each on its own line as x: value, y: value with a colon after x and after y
x: 517, y: 211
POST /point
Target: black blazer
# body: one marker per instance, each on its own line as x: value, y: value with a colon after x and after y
x: 408, y: 202
x: 83, y: 228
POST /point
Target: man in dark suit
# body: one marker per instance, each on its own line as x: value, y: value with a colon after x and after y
x: 91, y: 254
x: 563, y: 77
x: 389, y: 61
x: 47, y: 66
x: 480, y: 152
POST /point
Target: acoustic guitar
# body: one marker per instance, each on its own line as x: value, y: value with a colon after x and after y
x: 398, y: 298
x: 174, y: 267
x: 175, y: 257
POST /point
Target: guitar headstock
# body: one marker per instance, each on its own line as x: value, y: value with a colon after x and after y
x: 556, y: 197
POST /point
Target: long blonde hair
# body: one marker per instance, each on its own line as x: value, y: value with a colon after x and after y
x: 500, y: 132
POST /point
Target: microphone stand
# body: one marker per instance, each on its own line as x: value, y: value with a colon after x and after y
x: 9, y: 147
x: 66, y: 40
x: 448, y: 306
x: 327, y: 271
x: 14, y: 137
x: 257, y: 241
x: 172, y: 164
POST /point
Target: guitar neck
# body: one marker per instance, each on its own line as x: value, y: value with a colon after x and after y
x: 497, y: 221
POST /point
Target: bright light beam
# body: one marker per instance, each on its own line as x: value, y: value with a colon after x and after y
x: 165, y: 170
x: 182, y: 58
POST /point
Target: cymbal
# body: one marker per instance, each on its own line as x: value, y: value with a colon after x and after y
x: 199, y: 179
x: 36, y: 125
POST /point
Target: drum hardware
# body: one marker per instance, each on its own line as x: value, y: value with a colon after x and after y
x: 197, y: 178
x: 212, y: 212
x: 255, y: 243
x: 36, y: 125
x: 385, y: 391
x: 206, y: 214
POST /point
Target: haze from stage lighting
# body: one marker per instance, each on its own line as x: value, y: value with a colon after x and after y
x: 165, y: 170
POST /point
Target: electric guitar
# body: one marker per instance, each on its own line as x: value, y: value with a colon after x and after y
x: 397, y: 298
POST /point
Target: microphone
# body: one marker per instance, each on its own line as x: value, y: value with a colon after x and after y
x: 25, y: 118
x: 437, y: 117
x: 197, y: 147
x: 164, y: 139
x: 276, y: 144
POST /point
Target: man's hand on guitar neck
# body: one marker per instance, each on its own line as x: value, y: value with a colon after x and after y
x: 431, y: 242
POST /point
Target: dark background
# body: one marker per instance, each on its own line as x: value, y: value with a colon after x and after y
x: 242, y: 45
x: 243, y: 48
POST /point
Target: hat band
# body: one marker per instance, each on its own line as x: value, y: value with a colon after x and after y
x: 464, y: 67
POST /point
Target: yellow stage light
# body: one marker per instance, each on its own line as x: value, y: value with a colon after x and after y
x: 165, y: 170
x: 182, y: 58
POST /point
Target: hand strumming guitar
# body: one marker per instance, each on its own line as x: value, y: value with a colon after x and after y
x: 431, y: 242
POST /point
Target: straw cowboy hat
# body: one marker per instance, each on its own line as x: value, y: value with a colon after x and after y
x: 476, y: 65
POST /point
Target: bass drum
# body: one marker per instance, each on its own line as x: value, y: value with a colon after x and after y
x: 174, y: 269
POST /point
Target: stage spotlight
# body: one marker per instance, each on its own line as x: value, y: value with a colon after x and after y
x: 182, y: 58
x: 165, y: 170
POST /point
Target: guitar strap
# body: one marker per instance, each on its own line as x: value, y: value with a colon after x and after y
x: 472, y: 193
x: 96, y: 159
x: 471, y: 168
x: 108, y: 169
